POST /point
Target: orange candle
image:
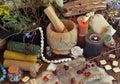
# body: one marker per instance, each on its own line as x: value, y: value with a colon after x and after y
x: 82, y: 30
x: 81, y: 40
x: 83, y: 27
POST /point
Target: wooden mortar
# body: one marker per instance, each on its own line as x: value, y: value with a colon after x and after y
x: 61, y: 43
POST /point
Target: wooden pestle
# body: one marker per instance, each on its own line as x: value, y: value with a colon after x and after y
x: 57, y: 23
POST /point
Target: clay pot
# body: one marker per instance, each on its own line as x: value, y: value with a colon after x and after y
x: 2, y: 44
x: 61, y: 43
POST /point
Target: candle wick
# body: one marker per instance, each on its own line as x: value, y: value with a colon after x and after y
x: 85, y: 19
x: 95, y: 38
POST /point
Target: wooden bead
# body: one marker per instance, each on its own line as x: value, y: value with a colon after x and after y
x: 33, y: 74
x: 25, y: 79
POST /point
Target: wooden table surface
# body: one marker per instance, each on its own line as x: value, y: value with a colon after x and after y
x: 42, y: 68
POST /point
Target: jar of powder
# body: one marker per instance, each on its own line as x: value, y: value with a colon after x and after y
x: 15, y: 74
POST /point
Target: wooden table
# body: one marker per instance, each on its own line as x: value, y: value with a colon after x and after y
x: 44, y: 64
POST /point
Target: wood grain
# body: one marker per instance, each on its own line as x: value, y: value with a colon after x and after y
x: 83, y: 6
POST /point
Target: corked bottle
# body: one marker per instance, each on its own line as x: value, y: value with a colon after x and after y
x: 14, y: 73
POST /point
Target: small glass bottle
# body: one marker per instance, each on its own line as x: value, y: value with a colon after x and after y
x: 15, y: 74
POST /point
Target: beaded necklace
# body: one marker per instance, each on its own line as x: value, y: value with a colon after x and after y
x: 3, y: 73
x: 42, y: 55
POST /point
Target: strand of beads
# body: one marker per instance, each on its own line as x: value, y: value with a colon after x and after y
x: 3, y: 73
x: 42, y: 55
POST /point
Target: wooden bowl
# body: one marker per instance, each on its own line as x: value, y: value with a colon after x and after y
x: 61, y: 43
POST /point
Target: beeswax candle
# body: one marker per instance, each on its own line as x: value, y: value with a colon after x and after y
x: 26, y: 66
x: 23, y: 47
x: 19, y: 56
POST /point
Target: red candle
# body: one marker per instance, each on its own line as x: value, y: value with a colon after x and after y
x: 81, y: 40
x: 82, y: 30
x: 83, y: 27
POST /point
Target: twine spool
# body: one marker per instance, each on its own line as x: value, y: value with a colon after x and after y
x: 93, y: 45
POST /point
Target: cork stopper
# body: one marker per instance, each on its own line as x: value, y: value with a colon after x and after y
x: 14, y: 69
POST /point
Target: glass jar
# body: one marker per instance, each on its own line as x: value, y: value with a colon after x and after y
x: 15, y: 74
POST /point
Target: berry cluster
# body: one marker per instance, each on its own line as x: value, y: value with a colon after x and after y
x: 45, y: 78
x: 73, y: 80
x: 66, y: 67
x: 87, y: 66
x: 55, y: 72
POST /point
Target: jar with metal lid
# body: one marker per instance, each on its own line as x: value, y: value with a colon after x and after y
x: 15, y: 74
